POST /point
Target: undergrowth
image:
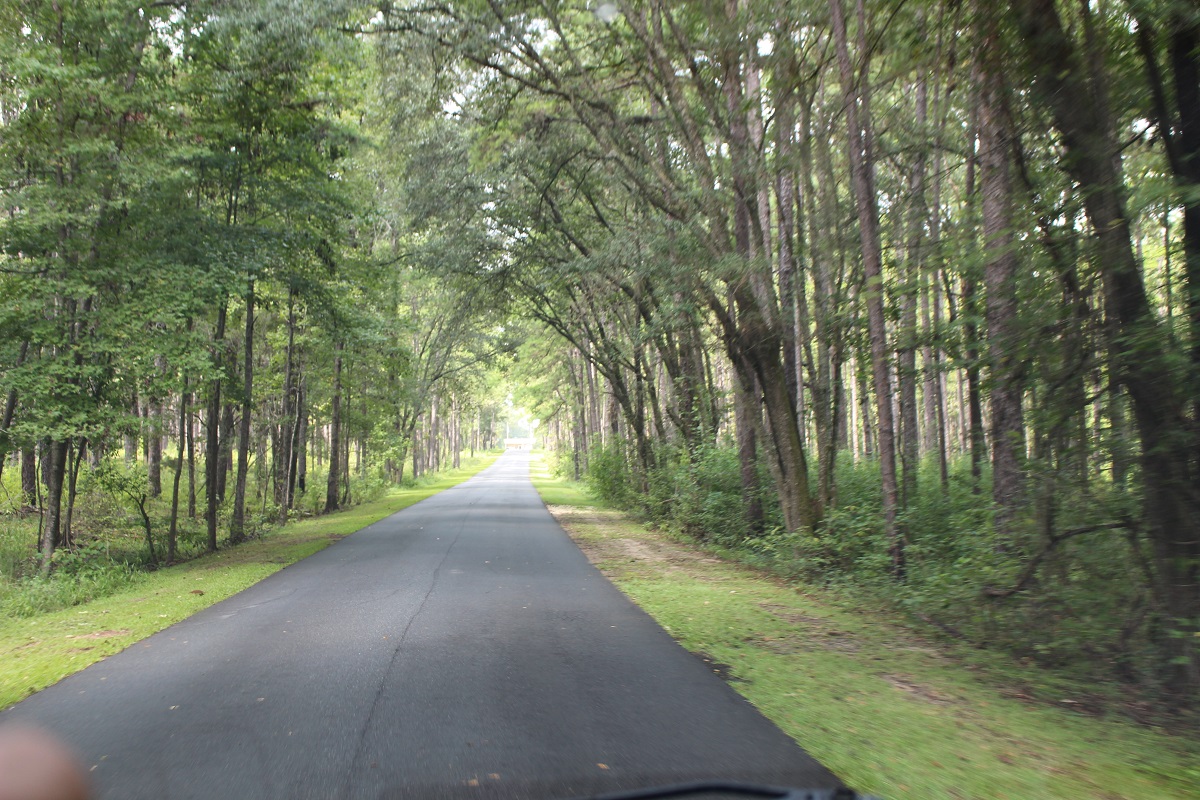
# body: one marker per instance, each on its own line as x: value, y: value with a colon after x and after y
x: 1084, y: 614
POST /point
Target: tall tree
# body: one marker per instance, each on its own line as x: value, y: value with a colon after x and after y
x: 856, y: 90
x: 1075, y: 93
x: 1005, y: 353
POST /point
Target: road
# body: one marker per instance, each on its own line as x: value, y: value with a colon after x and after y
x: 462, y: 648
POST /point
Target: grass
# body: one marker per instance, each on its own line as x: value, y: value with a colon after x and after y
x: 891, y: 711
x: 40, y: 650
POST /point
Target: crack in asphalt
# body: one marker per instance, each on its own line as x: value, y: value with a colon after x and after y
x: 355, y: 762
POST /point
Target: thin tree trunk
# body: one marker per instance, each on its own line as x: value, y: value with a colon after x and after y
x: 746, y: 406
x: 978, y: 444
x: 332, y: 485
x: 154, y: 440
x: 906, y: 367
x: 970, y: 310
x: 80, y: 447
x: 212, y: 448
x: 54, y: 469
x: 131, y: 435
x: 284, y: 458
x: 190, y: 432
x: 226, y: 454
x: 237, y: 522
x: 935, y: 379
x: 29, y: 484
x: 296, y: 478
x: 173, y: 530
x: 1000, y: 273
x: 861, y: 176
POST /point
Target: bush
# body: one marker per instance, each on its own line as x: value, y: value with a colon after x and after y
x: 82, y: 574
x: 609, y: 477
x: 1088, y: 610
x: 708, y: 501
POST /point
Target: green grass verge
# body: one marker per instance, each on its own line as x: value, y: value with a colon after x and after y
x: 891, y: 712
x: 38, y: 651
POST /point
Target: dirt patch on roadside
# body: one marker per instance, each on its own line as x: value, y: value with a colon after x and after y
x: 791, y: 616
x: 800, y: 641
x: 595, y: 531
x: 911, y: 687
x: 101, y: 635
x: 780, y: 645
x: 811, y: 632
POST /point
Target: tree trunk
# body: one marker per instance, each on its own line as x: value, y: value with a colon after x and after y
x: 173, y: 531
x: 80, y: 446
x: 284, y: 456
x: 333, y: 492
x: 131, y: 436
x: 746, y: 406
x: 1147, y: 363
x: 29, y: 483
x: 190, y: 432
x: 978, y: 444
x: 226, y: 454
x: 54, y: 470
x: 579, y: 438
x: 862, y: 178
x: 237, y: 522
x: 906, y: 367
x: 753, y: 333
x: 298, y: 445
x: 154, y: 440
x: 212, y: 448
x: 456, y: 435
x: 303, y: 437
x: 346, y: 439
x: 1005, y: 357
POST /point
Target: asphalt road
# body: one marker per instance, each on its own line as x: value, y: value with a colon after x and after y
x: 462, y: 648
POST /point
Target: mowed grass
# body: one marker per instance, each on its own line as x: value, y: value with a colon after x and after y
x: 38, y: 651
x: 891, y: 712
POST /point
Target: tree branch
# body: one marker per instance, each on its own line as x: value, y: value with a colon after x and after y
x: 1030, y: 571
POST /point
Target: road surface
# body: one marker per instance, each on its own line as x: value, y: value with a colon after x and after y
x: 462, y: 648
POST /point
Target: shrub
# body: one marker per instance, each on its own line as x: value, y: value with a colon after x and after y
x: 708, y: 501
x: 609, y: 477
x: 1088, y: 610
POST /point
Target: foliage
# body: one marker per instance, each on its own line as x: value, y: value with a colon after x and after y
x: 1084, y: 613
x: 608, y: 477
x: 890, y: 710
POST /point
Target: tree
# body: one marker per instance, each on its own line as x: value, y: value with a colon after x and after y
x: 861, y: 159
x: 77, y: 153
x: 1147, y: 365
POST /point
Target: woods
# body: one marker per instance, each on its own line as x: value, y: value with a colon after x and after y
x: 190, y: 270
x: 900, y: 296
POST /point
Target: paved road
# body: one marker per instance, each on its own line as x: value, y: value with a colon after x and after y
x: 462, y: 648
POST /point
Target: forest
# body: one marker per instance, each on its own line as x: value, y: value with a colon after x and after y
x: 901, y: 296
